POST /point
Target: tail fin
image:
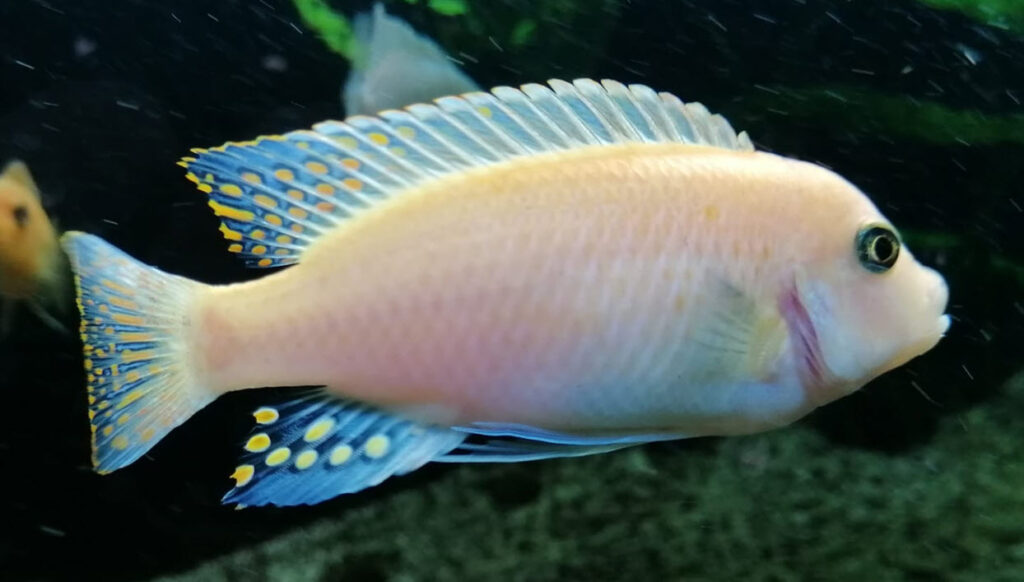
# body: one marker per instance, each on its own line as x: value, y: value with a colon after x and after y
x: 134, y: 326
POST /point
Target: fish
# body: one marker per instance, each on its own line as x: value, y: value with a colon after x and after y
x: 33, y: 268
x: 395, y: 66
x: 553, y: 270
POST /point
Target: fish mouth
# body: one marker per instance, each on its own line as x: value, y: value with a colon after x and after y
x: 814, y: 373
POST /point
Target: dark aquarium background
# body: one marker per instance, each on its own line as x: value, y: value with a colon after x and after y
x: 919, y: 476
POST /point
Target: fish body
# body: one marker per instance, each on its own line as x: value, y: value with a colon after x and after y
x: 582, y: 290
x: 613, y: 282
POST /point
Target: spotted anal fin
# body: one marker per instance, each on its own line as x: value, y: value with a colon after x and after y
x: 276, y: 194
x: 319, y: 446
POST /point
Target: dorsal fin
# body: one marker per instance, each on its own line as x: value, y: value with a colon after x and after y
x: 276, y: 194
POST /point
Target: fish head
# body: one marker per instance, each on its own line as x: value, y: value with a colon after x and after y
x: 28, y: 241
x: 859, y: 304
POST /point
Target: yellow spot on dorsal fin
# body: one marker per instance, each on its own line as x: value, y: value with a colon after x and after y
x: 316, y: 167
x: 264, y: 200
x: 230, y: 212
x: 230, y: 234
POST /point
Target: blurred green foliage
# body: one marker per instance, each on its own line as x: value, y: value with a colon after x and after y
x: 1007, y: 14
x: 868, y: 111
x: 332, y: 27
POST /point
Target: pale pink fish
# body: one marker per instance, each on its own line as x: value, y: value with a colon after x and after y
x: 503, y: 276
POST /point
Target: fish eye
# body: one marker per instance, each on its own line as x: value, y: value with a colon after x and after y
x: 878, y: 247
x: 20, y: 215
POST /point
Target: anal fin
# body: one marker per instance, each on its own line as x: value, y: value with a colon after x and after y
x: 319, y: 446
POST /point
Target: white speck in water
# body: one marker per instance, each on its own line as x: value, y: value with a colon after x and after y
x: 714, y: 21
x: 83, y: 46
x: 969, y: 54
x: 275, y: 63
x: 51, y: 531
x: 924, y: 394
x: 24, y: 64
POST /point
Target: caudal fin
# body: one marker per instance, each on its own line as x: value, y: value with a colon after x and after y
x: 137, y: 362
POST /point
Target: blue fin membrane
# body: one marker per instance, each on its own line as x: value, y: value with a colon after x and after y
x: 507, y: 442
x: 319, y: 446
x: 133, y: 321
x: 276, y: 194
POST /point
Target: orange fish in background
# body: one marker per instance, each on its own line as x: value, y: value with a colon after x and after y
x: 523, y: 274
x: 33, y: 268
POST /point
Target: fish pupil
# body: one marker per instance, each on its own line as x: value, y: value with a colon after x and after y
x: 20, y: 215
x: 883, y: 249
x: 877, y: 248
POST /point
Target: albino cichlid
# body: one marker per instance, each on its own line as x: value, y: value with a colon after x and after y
x: 522, y: 274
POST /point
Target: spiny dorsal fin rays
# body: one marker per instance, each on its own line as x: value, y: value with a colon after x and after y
x: 275, y: 195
